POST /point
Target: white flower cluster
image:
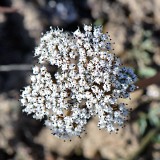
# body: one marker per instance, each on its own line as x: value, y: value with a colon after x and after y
x: 89, y: 81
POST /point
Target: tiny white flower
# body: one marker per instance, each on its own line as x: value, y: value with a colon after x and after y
x: 35, y: 70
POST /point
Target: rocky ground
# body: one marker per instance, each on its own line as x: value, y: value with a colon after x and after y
x: 134, y: 27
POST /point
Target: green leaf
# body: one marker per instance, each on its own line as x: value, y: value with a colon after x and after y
x: 147, y: 45
x: 154, y: 116
x: 147, y: 72
x: 157, y: 138
x: 142, y: 124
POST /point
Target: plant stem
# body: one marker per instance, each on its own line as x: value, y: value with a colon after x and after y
x: 146, y: 82
x: 15, y: 67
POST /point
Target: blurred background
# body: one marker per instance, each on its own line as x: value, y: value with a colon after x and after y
x: 134, y: 26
